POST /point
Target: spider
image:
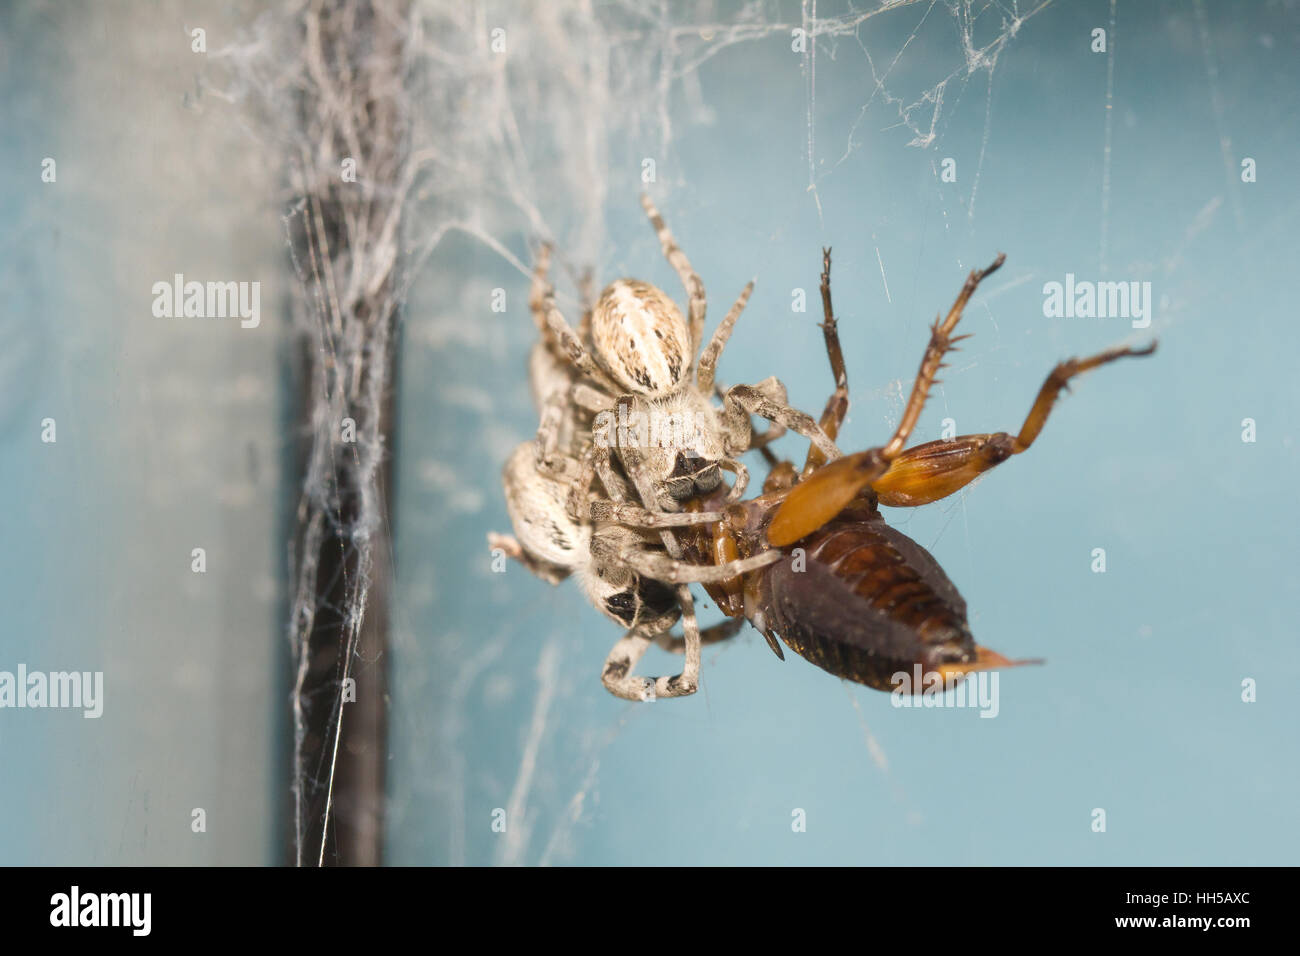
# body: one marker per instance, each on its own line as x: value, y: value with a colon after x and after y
x: 644, y: 354
x: 565, y: 433
x: 552, y: 545
x: 564, y: 422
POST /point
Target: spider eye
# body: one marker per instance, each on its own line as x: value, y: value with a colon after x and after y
x: 622, y: 606
x: 692, y: 475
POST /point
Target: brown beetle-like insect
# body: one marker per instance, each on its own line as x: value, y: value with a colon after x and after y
x: 851, y: 594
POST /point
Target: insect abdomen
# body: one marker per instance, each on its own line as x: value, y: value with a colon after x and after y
x: 869, y: 602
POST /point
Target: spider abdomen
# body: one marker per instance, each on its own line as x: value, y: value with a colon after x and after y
x: 536, y: 505
x: 641, y: 337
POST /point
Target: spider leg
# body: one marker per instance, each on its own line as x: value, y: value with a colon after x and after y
x: 555, y: 330
x: 689, y: 679
x: 758, y: 440
x: 565, y: 416
x: 580, y: 488
x: 624, y: 656
x: 709, y: 357
x: 550, y: 573
x: 672, y: 570
x: 616, y: 486
x: 928, y: 472
x: 613, y: 506
x: 743, y: 400
x: 677, y: 259
x: 588, y: 398
x: 603, y: 509
x: 570, y: 345
x: 742, y: 478
x: 585, y: 281
x: 538, y: 291
x: 551, y: 460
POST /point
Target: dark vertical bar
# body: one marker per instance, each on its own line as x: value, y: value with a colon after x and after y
x: 341, y: 554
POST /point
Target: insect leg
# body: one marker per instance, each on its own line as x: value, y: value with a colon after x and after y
x: 941, y: 343
x: 837, y: 406
x: 827, y: 490
x: 936, y: 469
x: 714, y: 634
